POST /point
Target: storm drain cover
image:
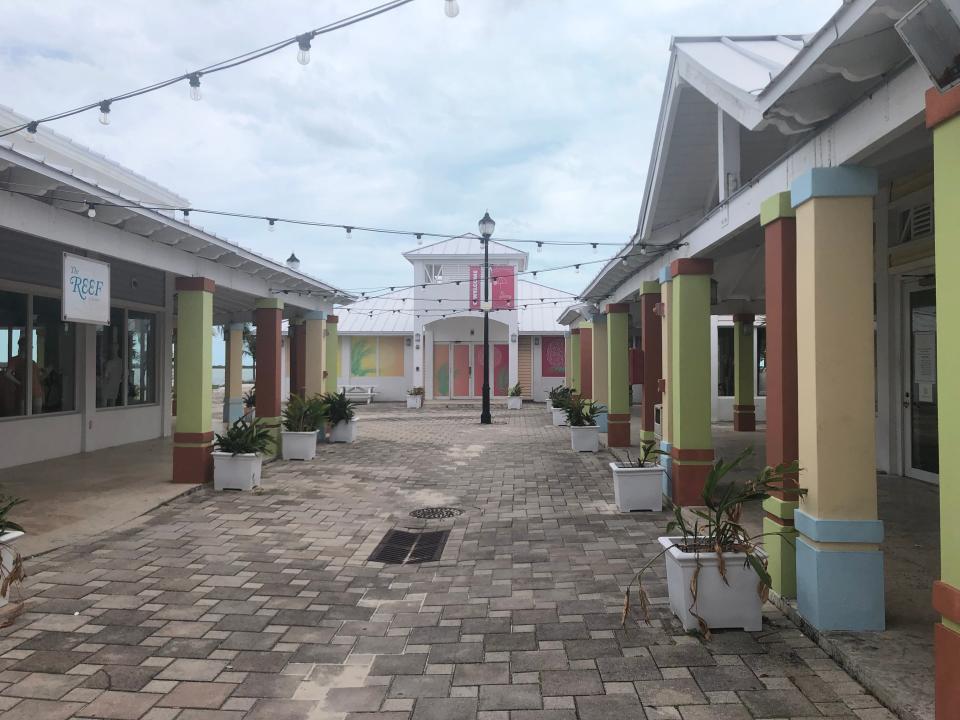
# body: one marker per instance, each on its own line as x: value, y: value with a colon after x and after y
x: 399, y: 547
x: 436, y: 513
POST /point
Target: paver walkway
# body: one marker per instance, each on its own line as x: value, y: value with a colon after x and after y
x: 263, y: 606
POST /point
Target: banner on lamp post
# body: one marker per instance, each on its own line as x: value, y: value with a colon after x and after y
x: 86, y: 290
x: 476, y: 286
x: 504, y: 287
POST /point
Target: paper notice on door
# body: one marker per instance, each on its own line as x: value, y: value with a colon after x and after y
x: 925, y: 358
x: 925, y: 392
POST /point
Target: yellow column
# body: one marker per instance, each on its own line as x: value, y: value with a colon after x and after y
x: 599, y: 341
x: 316, y: 348
x: 233, y: 375
x: 332, y: 354
x: 193, y: 439
x: 839, y: 563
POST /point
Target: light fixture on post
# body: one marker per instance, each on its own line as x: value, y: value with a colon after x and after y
x: 931, y: 31
x: 451, y: 8
x: 303, y: 54
x: 487, y: 226
x: 105, y: 112
x: 293, y: 262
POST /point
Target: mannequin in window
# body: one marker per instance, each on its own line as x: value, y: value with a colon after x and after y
x: 17, y: 373
x: 112, y: 378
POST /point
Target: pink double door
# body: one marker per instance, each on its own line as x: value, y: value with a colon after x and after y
x: 463, y: 378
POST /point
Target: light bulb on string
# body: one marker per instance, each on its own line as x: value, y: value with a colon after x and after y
x: 594, y: 245
x: 105, y: 112
x: 186, y: 215
x: 451, y: 8
x: 419, y: 239
x: 539, y: 247
x: 576, y: 269
x: 303, y: 54
x: 643, y: 249
x: 91, y: 210
x: 195, y: 86
x: 271, y: 224
x: 32, y: 131
x: 349, y: 230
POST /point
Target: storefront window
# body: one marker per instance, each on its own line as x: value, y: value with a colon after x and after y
x: 141, y: 383
x: 725, y: 369
x: 110, y: 363
x: 54, y: 357
x: 13, y: 354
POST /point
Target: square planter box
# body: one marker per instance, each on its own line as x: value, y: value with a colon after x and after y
x: 344, y: 431
x: 7, y: 556
x: 559, y: 416
x: 236, y: 472
x: 638, y: 488
x: 514, y: 402
x: 721, y: 605
x: 585, y: 439
x: 298, y: 445
x: 414, y: 402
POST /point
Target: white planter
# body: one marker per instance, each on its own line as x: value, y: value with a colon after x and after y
x: 7, y: 556
x: 514, y: 402
x: 414, y: 402
x: 637, y: 488
x: 559, y: 416
x: 585, y: 439
x: 734, y: 604
x: 344, y: 431
x: 236, y: 472
x: 298, y: 445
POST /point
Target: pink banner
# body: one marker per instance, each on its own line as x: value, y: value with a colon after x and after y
x: 504, y: 287
x: 476, y: 286
x: 552, y: 356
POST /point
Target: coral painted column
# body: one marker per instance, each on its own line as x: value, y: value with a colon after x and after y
x: 943, y: 116
x: 298, y: 357
x: 692, y: 438
x: 575, y: 360
x: 744, y: 408
x: 839, y: 563
x: 780, y: 248
x: 618, y: 375
x: 314, y: 348
x: 269, y: 320
x: 332, y: 354
x: 652, y: 356
x: 666, y: 391
x: 599, y: 360
x: 585, y: 383
x: 193, y: 439
x: 233, y: 382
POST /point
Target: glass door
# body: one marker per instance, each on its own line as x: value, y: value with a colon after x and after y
x: 461, y: 371
x: 920, y: 436
x: 441, y: 370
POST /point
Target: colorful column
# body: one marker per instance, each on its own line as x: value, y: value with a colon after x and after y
x: 575, y: 360
x: 943, y: 116
x: 269, y: 319
x: 314, y: 353
x: 585, y: 383
x: 650, y: 339
x: 618, y: 375
x: 839, y: 563
x: 692, y: 439
x: 780, y: 256
x: 193, y: 439
x: 599, y: 360
x: 298, y: 357
x: 665, y: 387
x: 332, y: 354
x: 744, y: 366
x: 233, y: 380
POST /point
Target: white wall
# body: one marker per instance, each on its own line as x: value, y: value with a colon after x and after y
x: 388, y: 389
x: 39, y: 437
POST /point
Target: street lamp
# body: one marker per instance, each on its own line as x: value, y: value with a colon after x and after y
x: 487, y: 226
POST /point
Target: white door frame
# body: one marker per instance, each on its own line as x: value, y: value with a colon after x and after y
x: 909, y: 285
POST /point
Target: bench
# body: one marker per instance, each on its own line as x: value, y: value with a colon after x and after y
x: 360, y: 392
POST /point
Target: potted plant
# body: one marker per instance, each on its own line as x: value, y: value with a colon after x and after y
x: 298, y: 436
x: 515, y: 398
x: 415, y: 398
x: 559, y: 397
x: 319, y: 409
x: 583, y: 428
x: 11, y: 566
x: 250, y: 402
x: 716, y: 571
x: 340, y: 413
x: 599, y: 411
x: 638, y: 484
x: 238, y: 455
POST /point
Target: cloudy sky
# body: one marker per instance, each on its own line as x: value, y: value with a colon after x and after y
x: 542, y: 111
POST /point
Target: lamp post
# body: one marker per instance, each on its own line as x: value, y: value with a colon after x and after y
x: 486, y: 230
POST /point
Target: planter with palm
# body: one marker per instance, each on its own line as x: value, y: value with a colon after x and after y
x: 238, y: 455
x: 341, y: 416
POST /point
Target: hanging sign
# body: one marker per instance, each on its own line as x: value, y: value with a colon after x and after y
x: 504, y: 287
x: 86, y: 290
x: 476, y: 286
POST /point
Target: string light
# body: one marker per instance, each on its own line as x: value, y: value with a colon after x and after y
x: 594, y: 246
x: 576, y: 269
x: 419, y: 238
x: 643, y: 248
x: 451, y: 8
x: 195, y: 87
x: 186, y: 215
x: 91, y: 210
x: 32, y: 131
x: 303, y: 54
x: 349, y: 230
x: 271, y: 224
x: 105, y: 112
x: 539, y: 247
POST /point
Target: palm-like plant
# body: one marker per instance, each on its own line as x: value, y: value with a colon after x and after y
x: 244, y: 438
x: 560, y: 396
x: 580, y: 413
x: 339, y: 407
x: 7, y: 503
x: 303, y: 415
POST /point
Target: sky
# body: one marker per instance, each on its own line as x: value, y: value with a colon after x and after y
x: 541, y: 112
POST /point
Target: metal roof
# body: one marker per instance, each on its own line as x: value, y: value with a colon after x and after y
x: 465, y: 246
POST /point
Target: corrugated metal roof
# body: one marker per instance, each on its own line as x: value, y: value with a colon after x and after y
x: 537, y: 318
x: 467, y: 245
x: 747, y: 63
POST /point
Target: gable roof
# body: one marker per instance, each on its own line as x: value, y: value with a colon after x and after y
x: 464, y: 246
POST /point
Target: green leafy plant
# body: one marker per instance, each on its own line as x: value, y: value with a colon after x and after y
x: 648, y: 450
x: 7, y: 503
x: 560, y: 396
x: 303, y: 415
x: 597, y: 408
x: 579, y: 413
x: 339, y: 407
x: 516, y: 390
x: 716, y: 528
x: 244, y: 438
x: 418, y: 390
x: 250, y: 399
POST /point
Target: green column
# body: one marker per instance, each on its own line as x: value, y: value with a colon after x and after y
x: 618, y: 375
x: 744, y: 412
x: 575, y: 359
x: 333, y: 354
x: 599, y: 367
x: 193, y: 439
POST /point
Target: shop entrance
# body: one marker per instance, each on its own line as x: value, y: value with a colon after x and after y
x: 920, y: 436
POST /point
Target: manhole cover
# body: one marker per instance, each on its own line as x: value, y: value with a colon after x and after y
x: 399, y: 547
x: 436, y: 513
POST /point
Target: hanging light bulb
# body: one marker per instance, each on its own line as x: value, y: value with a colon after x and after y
x: 271, y: 224
x: 623, y: 261
x: 195, y: 86
x: 419, y: 239
x: 451, y: 8
x: 303, y: 54
x: 91, y: 210
x: 105, y: 112
x: 576, y: 269
x: 186, y: 215
x: 643, y: 249
x: 594, y: 245
x: 32, y: 131
x: 539, y: 247
x: 349, y: 230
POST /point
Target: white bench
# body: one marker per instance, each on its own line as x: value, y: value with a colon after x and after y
x: 360, y: 392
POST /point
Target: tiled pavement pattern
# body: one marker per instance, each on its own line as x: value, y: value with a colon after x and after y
x: 263, y: 607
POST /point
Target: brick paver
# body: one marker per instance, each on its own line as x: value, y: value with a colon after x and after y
x: 245, y: 606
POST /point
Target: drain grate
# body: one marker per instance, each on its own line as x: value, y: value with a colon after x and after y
x: 399, y: 547
x: 436, y: 513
